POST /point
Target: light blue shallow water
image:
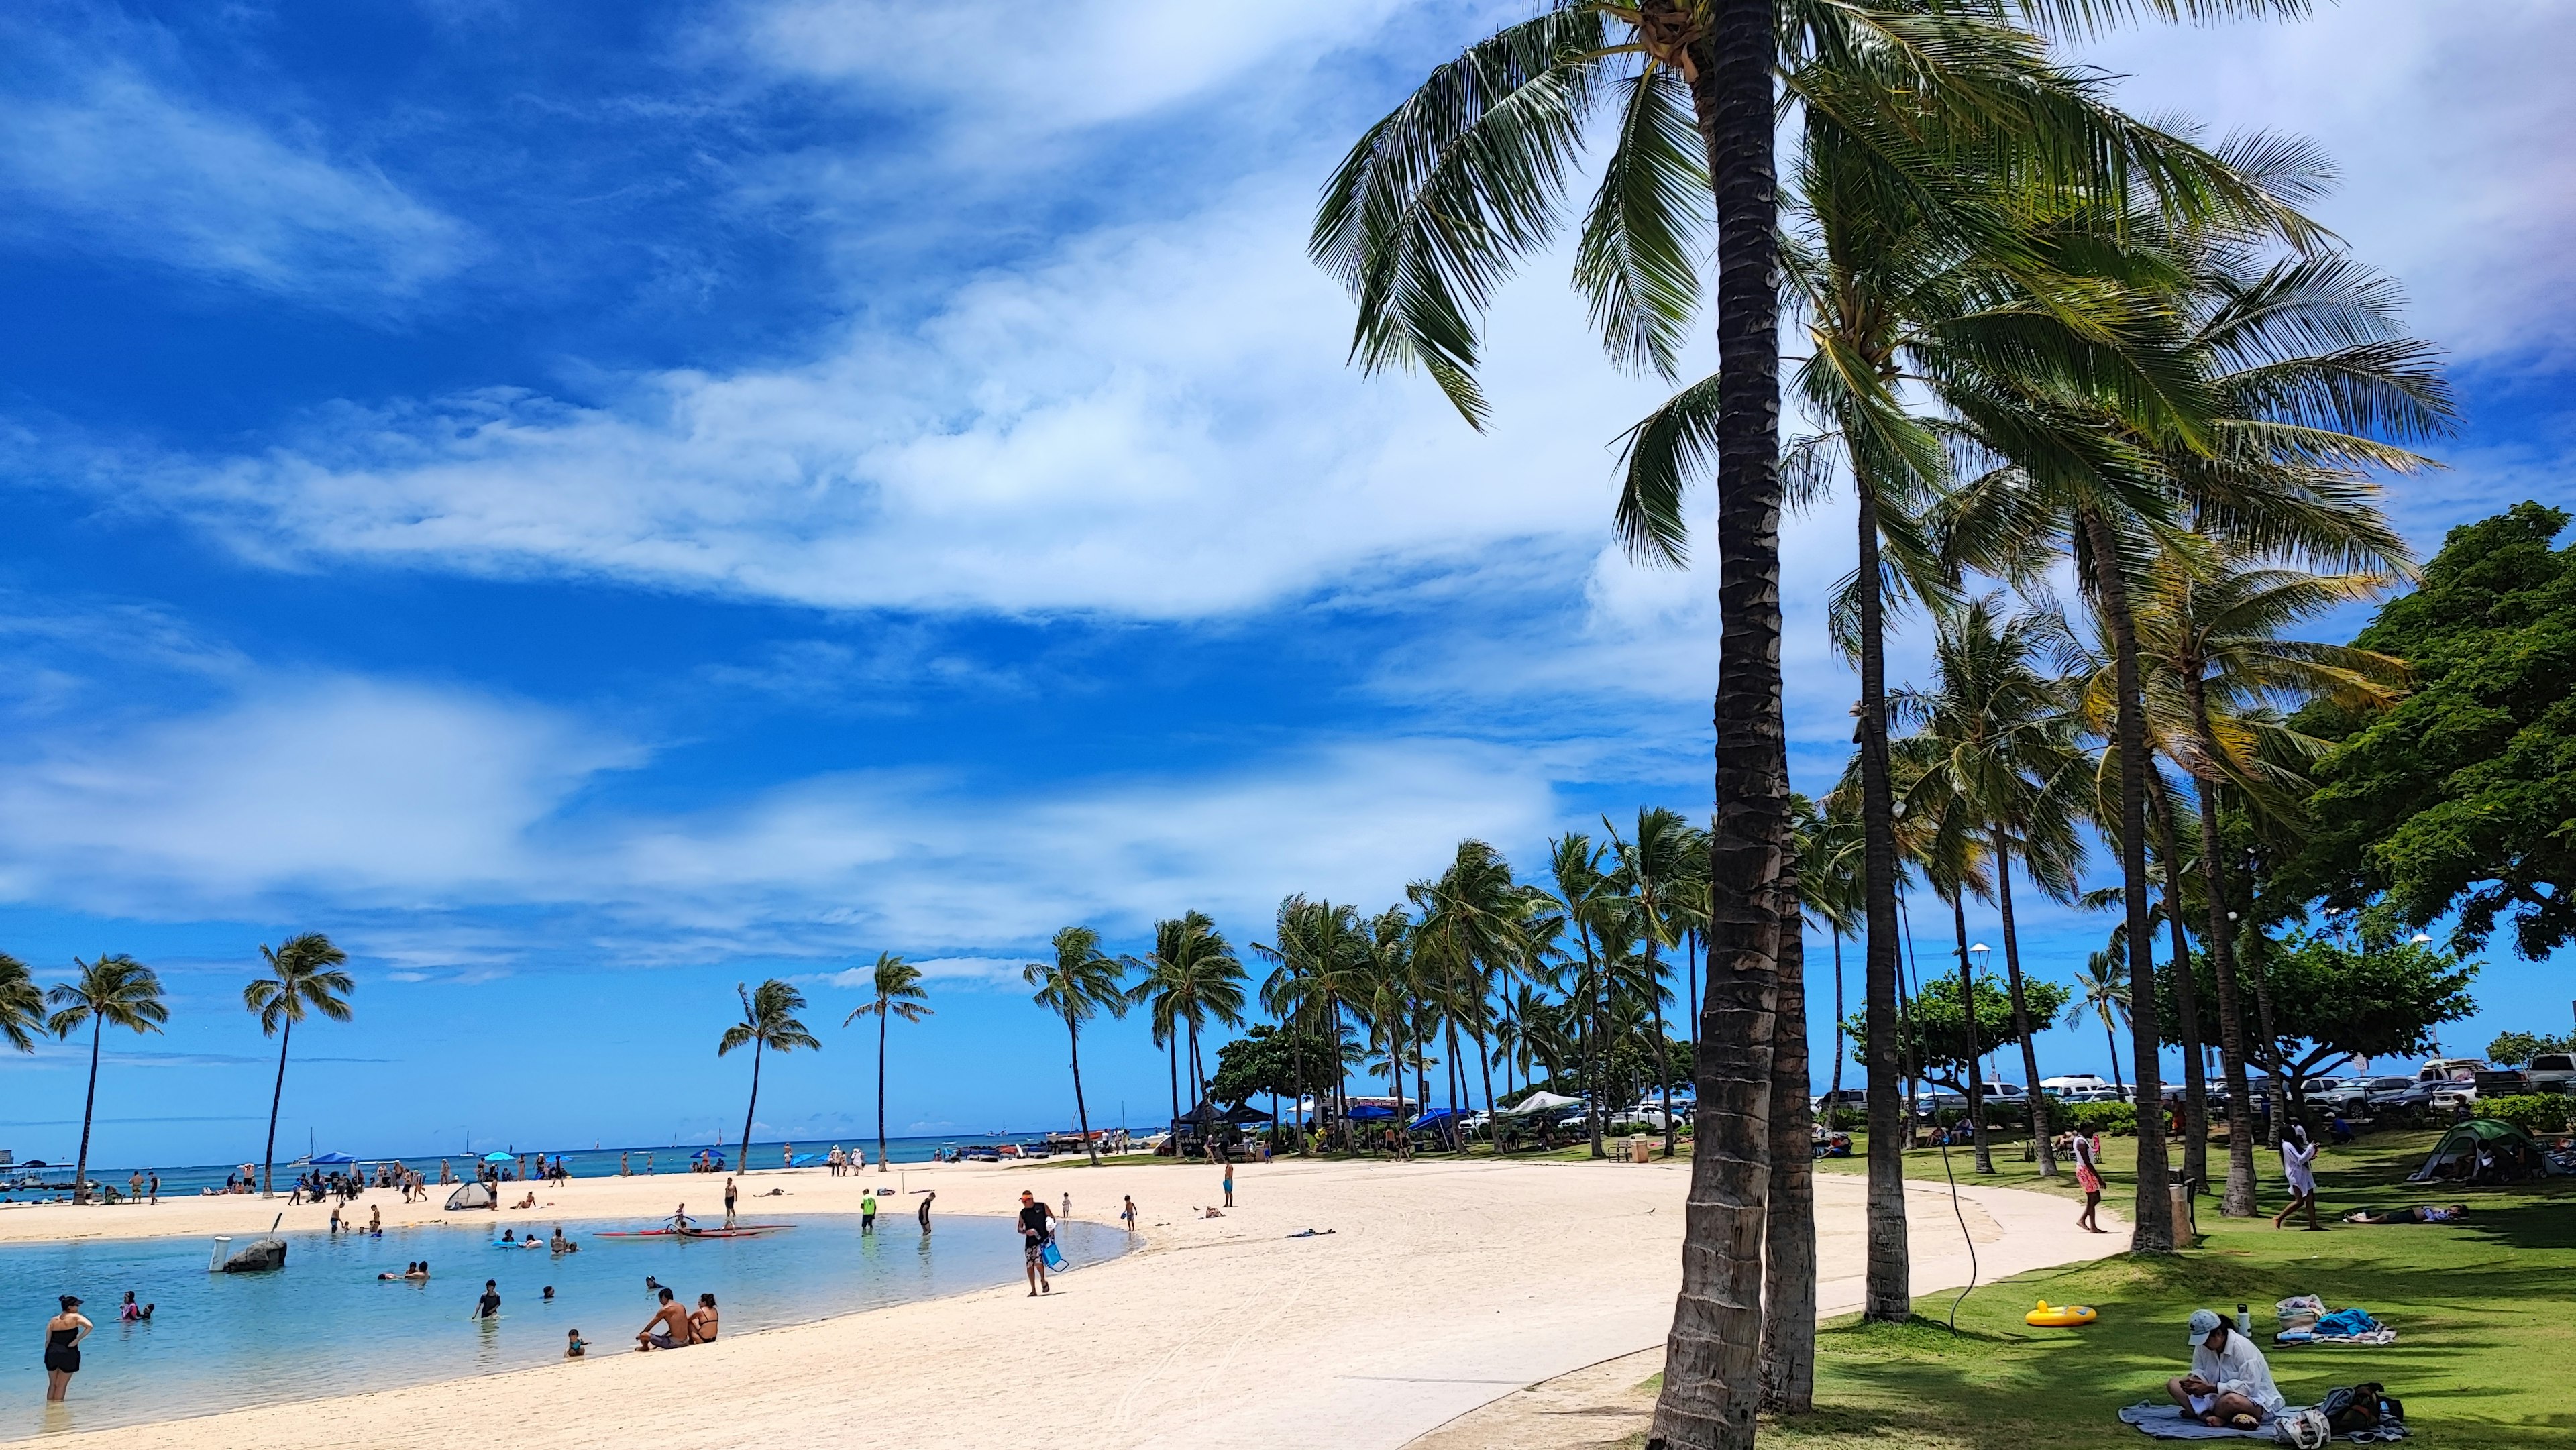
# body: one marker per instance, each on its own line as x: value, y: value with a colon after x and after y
x: 324, y: 1325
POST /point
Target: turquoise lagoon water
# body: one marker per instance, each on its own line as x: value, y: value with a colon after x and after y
x: 324, y: 1325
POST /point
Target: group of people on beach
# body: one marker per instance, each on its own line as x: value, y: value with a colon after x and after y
x: 673, y: 1325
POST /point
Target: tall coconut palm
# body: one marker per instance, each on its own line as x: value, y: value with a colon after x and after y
x: 2103, y: 990
x: 111, y: 991
x: 1668, y: 858
x: 1584, y: 896
x: 1192, y: 977
x: 1789, y: 1242
x: 1318, y: 967
x: 768, y: 1025
x: 1080, y: 984
x: 1998, y: 738
x: 895, y: 990
x: 1471, y: 926
x: 302, y: 974
x: 22, y: 1004
x: 2212, y: 627
x: 1830, y: 889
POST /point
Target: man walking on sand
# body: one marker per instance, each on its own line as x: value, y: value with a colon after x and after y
x: 1036, y: 1228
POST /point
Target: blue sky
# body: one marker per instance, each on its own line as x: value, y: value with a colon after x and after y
x: 591, y: 503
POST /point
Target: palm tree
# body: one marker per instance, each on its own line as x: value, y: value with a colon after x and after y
x: 1586, y: 900
x: 768, y: 1024
x: 2101, y: 990
x: 2211, y: 628
x: 1830, y: 888
x: 1079, y: 985
x: 111, y: 991
x: 1668, y: 857
x: 22, y: 1004
x: 1998, y: 734
x: 1317, y: 968
x: 1471, y: 927
x: 1192, y: 976
x: 302, y: 973
x: 897, y: 991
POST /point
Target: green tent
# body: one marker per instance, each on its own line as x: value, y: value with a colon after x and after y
x: 2507, y: 1152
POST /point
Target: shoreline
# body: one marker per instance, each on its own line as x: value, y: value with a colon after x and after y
x: 1441, y: 1288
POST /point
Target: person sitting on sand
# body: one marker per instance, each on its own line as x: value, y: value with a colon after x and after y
x: 574, y: 1345
x: 702, y: 1321
x: 674, y: 1330
x: 2229, y: 1385
x: 2420, y: 1213
x: 528, y: 1202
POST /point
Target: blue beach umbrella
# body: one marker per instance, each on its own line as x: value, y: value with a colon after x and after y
x: 500, y: 1157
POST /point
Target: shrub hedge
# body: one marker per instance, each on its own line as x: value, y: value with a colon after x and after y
x: 2531, y: 1112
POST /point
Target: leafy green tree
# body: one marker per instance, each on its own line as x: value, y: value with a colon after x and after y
x: 111, y: 991
x: 895, y: 990
x: 22, y: 1004
x: 304, y: 973
x: 768, y: 1025
x: 1267, y: 1059
x: 1080, y: 984
x: 1939, y: 1035
x: 2368, y: 998
x: 2457, y: 799
x: 2514, y: 1048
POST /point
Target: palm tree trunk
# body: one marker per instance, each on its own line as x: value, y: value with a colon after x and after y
x: 743, y: 1153
x: 276, y: 1096
x: 1172, y: 1060
x: 1889, y: 1291
x: 1838, y: 1017
x: 89, y: 1106
x: 2238, y: 1200
x: 1789, y: 1236
x: 1968, y: 1024
x: 2021, y: 1014
x: 1712, y: 1360
x: 2112, y: 1041
x: 1081, y: 1112
x: 1663, y: 1056
x: 885, y: 1019
x: 2152, y: 1224
x: 2195, y: 1072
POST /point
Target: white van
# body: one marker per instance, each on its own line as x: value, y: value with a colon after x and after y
x: 2085, y: 1082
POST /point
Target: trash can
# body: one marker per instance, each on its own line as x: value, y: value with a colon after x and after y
x: 1638, y: 1151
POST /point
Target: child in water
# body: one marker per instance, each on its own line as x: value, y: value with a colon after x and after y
x: 574, y: 1345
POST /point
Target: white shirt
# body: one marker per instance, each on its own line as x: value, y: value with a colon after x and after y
x: 2295, y: 1167
x: 2237, y: 1369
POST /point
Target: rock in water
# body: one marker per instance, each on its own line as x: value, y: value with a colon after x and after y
x: 257, y: 1255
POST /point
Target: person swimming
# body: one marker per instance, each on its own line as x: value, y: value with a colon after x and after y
x: 408, y: 1270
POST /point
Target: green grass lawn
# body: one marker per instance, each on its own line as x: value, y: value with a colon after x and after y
x: 2485, y: 1314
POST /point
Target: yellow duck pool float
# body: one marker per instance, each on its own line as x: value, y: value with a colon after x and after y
x: 2060, y: 1316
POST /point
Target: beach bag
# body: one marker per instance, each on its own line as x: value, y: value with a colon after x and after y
x: 2303, y: 1429
x: 2357, y: 1408
x: 1054, y: 1258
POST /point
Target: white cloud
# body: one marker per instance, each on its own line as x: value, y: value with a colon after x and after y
x: 388, y: 794
x: 1051, y: 67
x: 101, y: 151
x: 458, y: 833
x: 2449, y: 124
x: 1155, y: 422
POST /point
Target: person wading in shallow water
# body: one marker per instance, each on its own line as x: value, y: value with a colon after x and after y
x: 925, y: 1211
x: 63, y: 1335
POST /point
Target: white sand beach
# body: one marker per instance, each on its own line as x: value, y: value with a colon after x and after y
x: 1442, y: 1287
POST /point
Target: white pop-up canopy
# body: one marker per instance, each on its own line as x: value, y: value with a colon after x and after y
x: 1540, y: 1102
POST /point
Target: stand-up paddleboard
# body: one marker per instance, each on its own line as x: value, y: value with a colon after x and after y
x: 738, y: 1231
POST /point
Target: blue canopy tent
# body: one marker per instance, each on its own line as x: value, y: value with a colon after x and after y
x: 1431, y: 1119
x: 323, y: 1159
x: 1368, y: 1111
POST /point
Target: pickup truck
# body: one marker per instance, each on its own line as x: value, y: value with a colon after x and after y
x: 2552, y: 1072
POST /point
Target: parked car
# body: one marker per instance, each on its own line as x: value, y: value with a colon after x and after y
x: 2072, y: 1083
x: 2339, y: 1094
x: 2399, y: 1092
x: 2552, y: 1072
x: 2008, y: 1091
x: 2453, y: 1069
x: 2103, y: 1094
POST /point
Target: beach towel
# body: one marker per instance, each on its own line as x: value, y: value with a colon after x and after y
x: 2166, y: 1422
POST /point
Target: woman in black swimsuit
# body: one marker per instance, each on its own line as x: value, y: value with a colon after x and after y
x: 63, y: 1334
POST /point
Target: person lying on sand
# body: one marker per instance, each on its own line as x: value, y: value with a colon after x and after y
x: 674, y: 1330
x: 2420, y: 1213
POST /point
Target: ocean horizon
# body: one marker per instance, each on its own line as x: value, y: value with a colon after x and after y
x: 593, y: 1162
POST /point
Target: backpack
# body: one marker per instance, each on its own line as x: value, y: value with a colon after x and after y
x: 2359, y: 1407
x: 2303, y: 1430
